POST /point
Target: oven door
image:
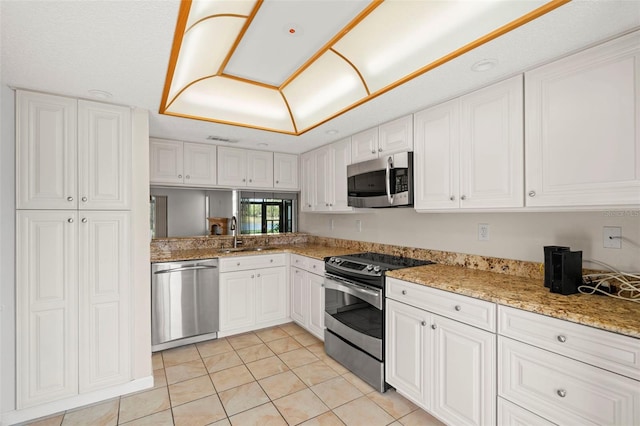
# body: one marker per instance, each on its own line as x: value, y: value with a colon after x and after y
x: 354, y: 312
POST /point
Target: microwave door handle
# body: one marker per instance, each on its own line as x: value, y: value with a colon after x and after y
x: 388, y: 179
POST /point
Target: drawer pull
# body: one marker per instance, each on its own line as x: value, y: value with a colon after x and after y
x: 271, y: 260
x: 561, y: 393
x: 458, y: 307
x: 314, y: 266
x: 238, y: 264
x: 69, y: 198
x: 423, y: 323
x: 562, y: 338
x: 404, y: 292
x: 433, y: 326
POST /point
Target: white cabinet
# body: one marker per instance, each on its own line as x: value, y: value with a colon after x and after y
x: 324, y: 174
x: 285, y: 171
x: 567, y: 373
x: 583, y: 128
x: 73, y: 303
x: 181, y: 163
x: 468, y: 151
x: 388, y: 138
x: 71, y: 153
x: 244, y: 168
x: 254, y: 292
x: 307, y: 294
x: 446, y: 366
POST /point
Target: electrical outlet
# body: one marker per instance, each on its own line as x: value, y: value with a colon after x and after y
x: 358, y: 225
x: 612, y: 237
x: 483, y: 232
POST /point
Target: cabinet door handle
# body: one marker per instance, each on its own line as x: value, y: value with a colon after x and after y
x: 314, y: 266
x: 404, y: 292
x: 463, y: 197
x: 433, y: 326
x: 179, y: 176
x: 250, y: 180
x: 84, y: 220
x: 423, y: 323
x: 277, y: 181
x: 84, y: 199
x: 458, y: 308
x: 561, y: 393
x: 188, y: 177
x: 373, y: 151
x: 69, y: 198
x: 562, y: 338
x: 271, y: 261
x: 244, y: 180
x: 238, y: 264
x: 452, y: 198
x: 70, y: 220
x: 532, y: 193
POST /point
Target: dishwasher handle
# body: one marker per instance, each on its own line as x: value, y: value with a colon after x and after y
x: 185, y: 268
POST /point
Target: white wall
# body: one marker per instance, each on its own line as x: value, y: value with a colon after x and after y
x: 518, y: 235
x: 7, y: 246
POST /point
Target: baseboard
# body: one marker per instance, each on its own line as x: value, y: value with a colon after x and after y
x: 253, y: 327
x: 32, y: 413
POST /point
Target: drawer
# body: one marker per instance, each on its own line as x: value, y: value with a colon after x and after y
x: 604, y: 349
x: 479, y: 313
x: 242, y: 263
x: 563, y: 390
x: 510, y: 414
x: 309, y: 264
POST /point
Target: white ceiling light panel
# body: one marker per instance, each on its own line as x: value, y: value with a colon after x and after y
x: 201, y: 9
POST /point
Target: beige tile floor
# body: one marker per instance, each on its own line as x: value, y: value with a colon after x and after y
x: 275, y: 376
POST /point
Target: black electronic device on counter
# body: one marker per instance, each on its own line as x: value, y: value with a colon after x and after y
x: 562, y: 269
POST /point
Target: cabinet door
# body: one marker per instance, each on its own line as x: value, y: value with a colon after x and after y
x: 260, y: 169
x: 299, y: 297
x: 46, y: 163
x: 341, y: 157
x: 232, y: 166
x: 364, y: 145
x: 237, y: 300
x: 199, y: 164
x: 165, y: 161
x: 272, y: 301
x: 104, y: 295
x: 583, y: 130
x: 285, y: 171
x: 510, y: 414
x: 308, y: 189
x: 407, y: 350
x: 436, y: 157
x: 104, y: 156
x: 46, y: 306
x: 396, y: 135
x: 463, y: 373
x: 491, y: 146
x: 316, y: 305
x: 323, y: 180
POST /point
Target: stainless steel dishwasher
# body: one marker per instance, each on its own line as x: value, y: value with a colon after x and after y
x: 184, y: 303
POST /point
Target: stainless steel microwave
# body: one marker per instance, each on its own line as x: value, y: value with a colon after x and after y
x: 383, y: 182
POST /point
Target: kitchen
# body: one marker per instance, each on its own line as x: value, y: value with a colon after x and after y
x: 517, y: 235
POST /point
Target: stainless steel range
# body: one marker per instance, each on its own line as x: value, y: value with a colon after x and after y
x: 354, y: 311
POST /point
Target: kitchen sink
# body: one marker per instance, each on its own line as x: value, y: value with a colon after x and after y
x: 242, y: 249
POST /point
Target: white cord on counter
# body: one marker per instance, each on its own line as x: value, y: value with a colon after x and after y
x: 628, y: 283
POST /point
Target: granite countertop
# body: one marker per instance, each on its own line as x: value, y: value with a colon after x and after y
x: 529, y: 294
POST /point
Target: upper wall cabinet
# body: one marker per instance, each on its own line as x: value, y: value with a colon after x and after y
x: 71, y: 153
x: 394, y: 136
x: 468, y: 151
x: 285, y: 171
x: 181, y: 163
x: 239, y: 168
x: 583, y: 128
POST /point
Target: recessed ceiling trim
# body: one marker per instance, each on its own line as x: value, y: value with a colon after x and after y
x: 303, y: 71
x: 181, y: 91
x: 219, y: 15
x: 183, y: 18
x: 364, y: 83
x: 246, y: 80
x: 248, y: 21
x: 366, y: 11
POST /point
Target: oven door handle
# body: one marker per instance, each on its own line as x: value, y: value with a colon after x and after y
x: 388, y: 168
x: 370, y: 296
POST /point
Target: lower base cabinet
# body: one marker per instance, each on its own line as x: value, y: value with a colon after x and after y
x: 307, y: 294
x: 445, y: 366
x: 253, y: 293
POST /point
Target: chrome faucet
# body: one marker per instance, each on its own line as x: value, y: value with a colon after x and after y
x: 234, y: 229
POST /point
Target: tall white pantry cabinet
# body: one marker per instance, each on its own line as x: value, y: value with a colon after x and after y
x: 73, y: 247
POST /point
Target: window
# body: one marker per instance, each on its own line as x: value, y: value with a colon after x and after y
x: 266, y: 213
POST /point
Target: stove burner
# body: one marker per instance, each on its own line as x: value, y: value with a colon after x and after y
x: 388, y: 260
